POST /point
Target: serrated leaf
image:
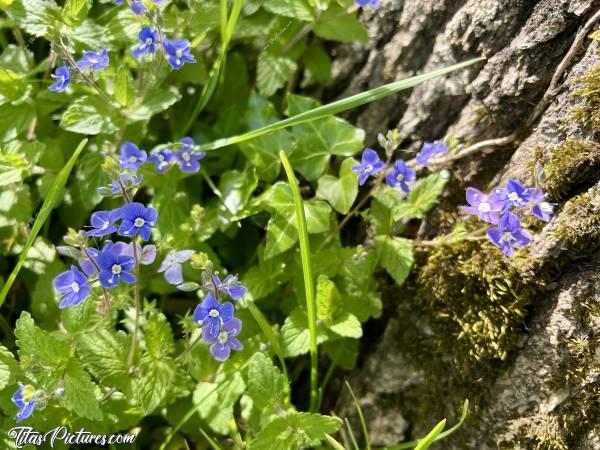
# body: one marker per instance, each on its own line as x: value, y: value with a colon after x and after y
x: 34, y: 16
x: 12, y: 85
x: 422, y: 197
x: 340, y: 192
x: 8, y: 367
x: 217, y: 400
x: 296, y: 430
x: 273, y: 72
x: 15, y: 120
x: 346, y: 325
x: 395, y: 256
x: 336, y: 25
x: 38, y: 346
x: 155, y: 102
x: 88, y: 115
x: 75, y: 11
x: 266, y: 383
x: 158, y: 336
x: 80, y: 392
x: 296, y: 9
x: 154, y: 383
x: 295, y: 336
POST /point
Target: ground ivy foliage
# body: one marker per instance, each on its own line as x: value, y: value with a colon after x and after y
x: 165, y: 290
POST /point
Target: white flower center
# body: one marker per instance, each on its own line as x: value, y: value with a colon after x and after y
x: 546, y: 207
x: 185, y: 156
x: 132, y: 159
x: 214, y: 313
x: 74, y: 287
x: 116, y: 269
x: 149, y: 41
x: 105, y: 225
x: 223, y: 336
x: 507, y: 236
x: 161, y: 157
x: 368, y: 168
x: 139, y: 222
x: 484, y: 207
x: 513, y: 196
x: 400, y: 177
x: 178, y: 53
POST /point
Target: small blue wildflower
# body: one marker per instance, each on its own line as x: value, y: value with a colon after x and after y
x: 187, y: 159
x: 178, y: 52
x: 128, y: 181
x: 429, y: 149
x: 137, y: 219
x: 171, y: 265
x: 541, y: 208
x: 73, y: 287
x: 400, y: 176
x: 118, y: 2
x: 114, y: 266
x: 131, y: 156
x: 508, y: 234
x: 148, y: 38
x: 225, y: 341
x: 486, y: 207
x: 145, y: 255
x: 372, y: 3
x: 138, y: 7
x: 24, y: 399
x: 370, y: 165
x: 230, y: 286
x: 95, y: 60
x: 103, y: 223
x: 88, y: 264
x: 62, y: 77
x: 211, y: 314
x: 514, y: 194
x: 161, y: 159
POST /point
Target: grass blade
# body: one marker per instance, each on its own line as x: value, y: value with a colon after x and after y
x: 45, y: 210
x: 335, y: 444
x: 339, y: 106
x: 426, y: 442
x: 309, y: 286
x: 360, y: 416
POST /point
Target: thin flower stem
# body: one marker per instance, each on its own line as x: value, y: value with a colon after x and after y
x: 189, y: 348
x: 138, y: 307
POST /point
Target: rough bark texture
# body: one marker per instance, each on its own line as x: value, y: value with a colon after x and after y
x: 519, y: 337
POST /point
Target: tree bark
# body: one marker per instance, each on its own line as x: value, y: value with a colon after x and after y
x: 517, y: 336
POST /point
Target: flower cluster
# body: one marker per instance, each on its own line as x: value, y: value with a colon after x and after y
x: 185, y: 157
x: 501, y: 208
x: 95, y: 61
x: 219, y: 326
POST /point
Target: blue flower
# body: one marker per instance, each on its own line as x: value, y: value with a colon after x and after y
x: 486, y: 207
x: 372, y: 3
x: 114, y: 266
x: 178, y: 52
x: 137, y: 219
x: 400, y: 176
x: 187, y: 159
x: 429, y: 149
x: 145, y: 255
x: 370, y: 165
x: 148, y: 38
x: 161, y: 159
x: 88, y: 265
x: 514, y: 194
x: 103, y: 222
x: 24, y: 398
x: 131, y: 156
x: 211, y: 314
x: 118, y: 2
x: 541, y: 208
x: 230, y: 286
x: 138, y: 7
x: 62, y: 77
x: 171, y: 265
x: 96, y: 60
x: 508, y: 234
x: 73, y: 286
x: 225, y: 341
x: 128, y: 181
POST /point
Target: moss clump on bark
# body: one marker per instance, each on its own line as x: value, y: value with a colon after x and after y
x: 587, y: 113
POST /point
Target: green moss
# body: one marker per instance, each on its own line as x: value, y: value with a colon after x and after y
x: 570, y: 165
x: 587, y: 113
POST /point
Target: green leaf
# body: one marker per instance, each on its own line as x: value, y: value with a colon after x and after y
x: 15, y: 120
x: 12, y: 85
x: 422, y: 197
x: 90, y: 177
x: 295, y: 335
x: 88, y: 115
x: 154, y: 383
x: 123, y: 88
x: 282, y: 234
x: 426, y: 442
x: 156, y: 101
x: 265, y: 277
x: 273, y: 72
x: 296, y: 9
x: 346, y: 325
x: 296, y: 430
x: 33, y: 16
x: 158, y: 336
x: 236, y: 188
x: 81, y: 394
x: 395, y: 256
x: 340, y: 192
x: 8, y: 368
x: 318, y: 66
x: 38, y: 346
x: 343, y: 352
x: 75, y: 11
x: 266, y: 383
x: 51, y: 200
x: 336, y: 25
x: 331, y: 310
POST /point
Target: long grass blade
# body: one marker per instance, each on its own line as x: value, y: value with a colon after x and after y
x: 339, y: 106
x: 47, y: 207
x: 309, y: 286
x: 334, y: 444
x: 361, y: 417
x: 426, y: 442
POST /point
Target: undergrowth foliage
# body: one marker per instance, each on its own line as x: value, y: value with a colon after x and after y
x: 183, y: 271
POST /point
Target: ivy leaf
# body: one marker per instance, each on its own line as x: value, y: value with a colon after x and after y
x: 422, y: 197
x: 337, y: 25
x: 296, y: 430
x: 340, y: 192
x: 236, y: 188
x: 266, y: 383
x: 272, y: 73
x: 155, y: 102
x: 88, y: 115
x: 395, y: 256
x: 80, y: 392
x: 296, y: 9
x: 265, y: 277
x: 38, y: 346
x: 295, y: 336
x: 8, y: 368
